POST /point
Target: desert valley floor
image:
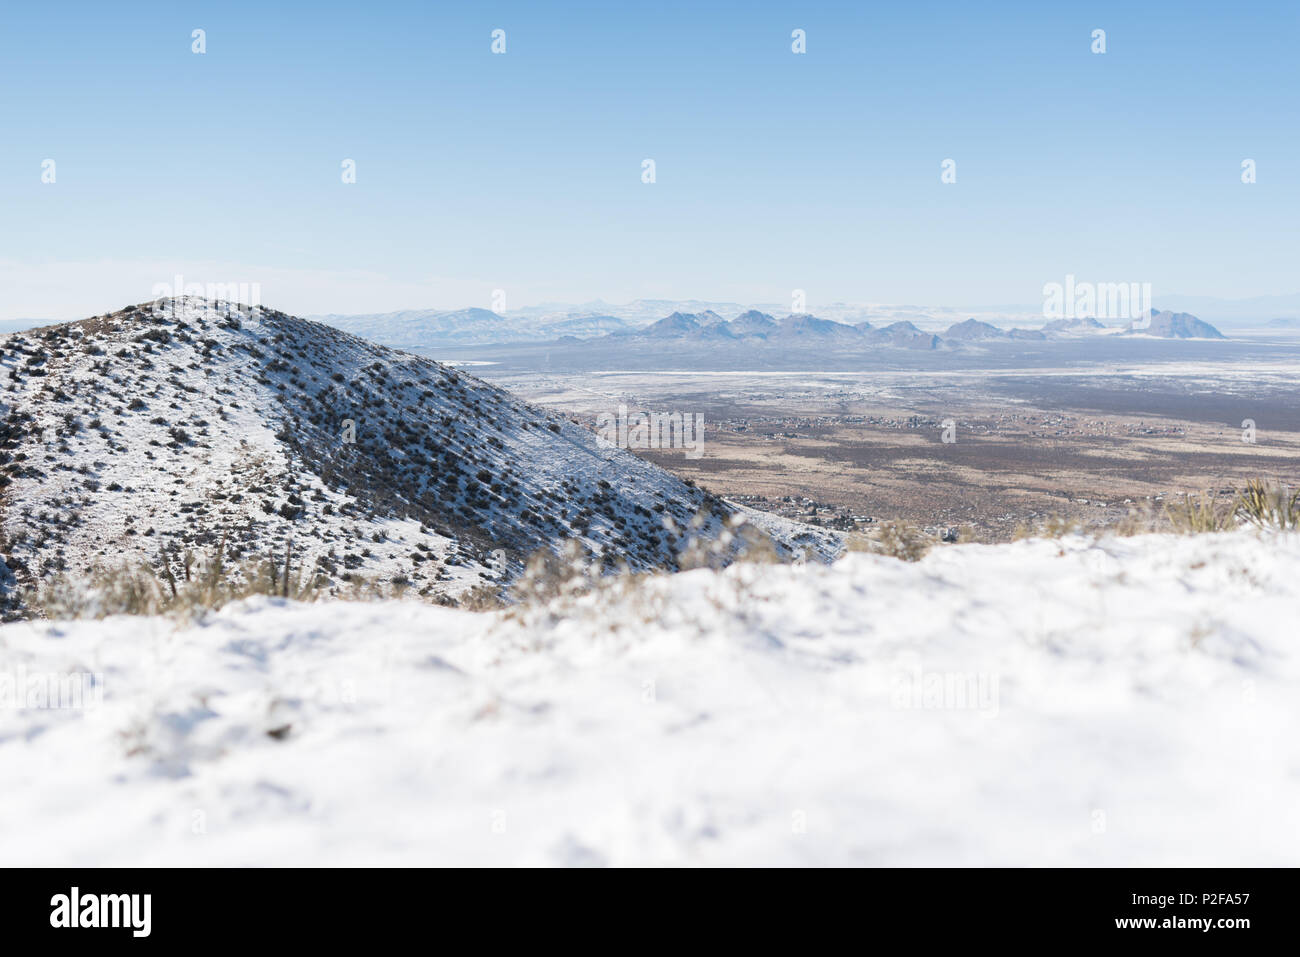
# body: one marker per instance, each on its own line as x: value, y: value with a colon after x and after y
x: 1037, y: 436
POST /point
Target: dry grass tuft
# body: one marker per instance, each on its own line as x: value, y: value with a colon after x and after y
x: 1197, y: 514
x: 1266, y: 506
x: 895, y: 539
x: 185, y: 585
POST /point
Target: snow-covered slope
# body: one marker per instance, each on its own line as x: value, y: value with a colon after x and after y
x: 150, y: 431
x: 1128, y: 702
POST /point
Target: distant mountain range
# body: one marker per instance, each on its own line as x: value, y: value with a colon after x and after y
x: 424, y: 329
x: 548, y: 322
x: 1255, y: 311
x: 759, y: 327
x: 755, y: 325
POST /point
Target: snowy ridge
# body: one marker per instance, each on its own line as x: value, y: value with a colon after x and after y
x: 195, y: 424
x: 1123, y: 702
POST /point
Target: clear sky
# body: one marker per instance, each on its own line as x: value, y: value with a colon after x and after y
x: 523, y: 171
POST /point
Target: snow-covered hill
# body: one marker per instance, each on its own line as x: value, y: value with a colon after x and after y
x: 1175, y: 325
x: 153, y: 430
x: 1123, y: 702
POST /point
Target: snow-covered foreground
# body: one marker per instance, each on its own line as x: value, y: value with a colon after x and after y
x: 1133, y: 702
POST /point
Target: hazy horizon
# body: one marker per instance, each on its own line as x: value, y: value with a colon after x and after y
x: 1259, y: 308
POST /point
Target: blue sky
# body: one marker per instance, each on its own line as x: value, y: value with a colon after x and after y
x: 522, y: 171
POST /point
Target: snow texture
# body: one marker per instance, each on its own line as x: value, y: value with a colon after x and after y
x: 1130, y: 701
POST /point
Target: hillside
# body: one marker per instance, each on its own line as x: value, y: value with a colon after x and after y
x: 1128, y: 702
x: 149, y: 432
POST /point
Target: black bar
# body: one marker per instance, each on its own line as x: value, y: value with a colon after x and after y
x: 332, y: 907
